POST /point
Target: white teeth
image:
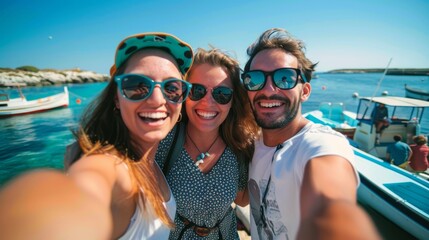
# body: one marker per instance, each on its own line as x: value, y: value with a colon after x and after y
x: 155, y: 115
x: 206, y: 114
x: 270, y: 105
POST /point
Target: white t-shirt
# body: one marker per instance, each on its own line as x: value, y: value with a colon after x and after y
x: 286, y: 163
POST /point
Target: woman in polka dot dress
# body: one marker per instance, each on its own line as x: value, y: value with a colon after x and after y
x: 211, y: 171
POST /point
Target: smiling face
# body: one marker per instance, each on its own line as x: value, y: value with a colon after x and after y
x: 275, y: 108
x: 206, y: 115
x: 150, y: 120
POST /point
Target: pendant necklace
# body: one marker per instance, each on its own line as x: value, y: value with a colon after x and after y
x: 201, y: 156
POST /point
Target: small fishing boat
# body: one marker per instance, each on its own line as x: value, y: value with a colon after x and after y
x: 18, y: 106
x: 416, y: 93
x: 336, y: 116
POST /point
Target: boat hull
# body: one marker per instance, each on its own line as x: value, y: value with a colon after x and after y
x: 395, y: 193
x: 416, y: 93
x: 19, y: 106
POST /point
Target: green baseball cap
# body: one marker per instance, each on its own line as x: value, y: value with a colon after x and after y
x: 180, y: 50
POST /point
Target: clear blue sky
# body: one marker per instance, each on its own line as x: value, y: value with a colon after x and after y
x: 338, y: 33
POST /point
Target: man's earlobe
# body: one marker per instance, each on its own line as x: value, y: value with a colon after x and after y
x: 305, y: 92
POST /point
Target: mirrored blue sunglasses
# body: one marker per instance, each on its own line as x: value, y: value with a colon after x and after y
x: 283, y: 78
x: 138, y: 87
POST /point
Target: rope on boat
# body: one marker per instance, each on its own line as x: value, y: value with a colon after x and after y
x: 381, y: 80
x: 74, y: 94
x: 378, y: 86
x: 78, y: 101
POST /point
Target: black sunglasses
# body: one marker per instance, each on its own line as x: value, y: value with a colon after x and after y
x: 138, y: 87
x: 283, y: 78
x: 221, y: 94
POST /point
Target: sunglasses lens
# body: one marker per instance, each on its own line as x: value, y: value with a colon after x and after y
x: 197, y: 92
x: 222, y: 95
x: 175, y: 90
x: 253, y: 80
x: 136, y: 87
x: 139, y: 87
x: 285, y: 78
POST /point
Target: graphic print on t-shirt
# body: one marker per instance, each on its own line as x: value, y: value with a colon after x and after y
x: 265, y: 210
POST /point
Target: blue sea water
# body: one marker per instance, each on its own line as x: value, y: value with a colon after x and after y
x: 39, y: 140
x: 340, y: 88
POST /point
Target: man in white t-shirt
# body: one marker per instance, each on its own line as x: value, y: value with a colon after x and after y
x: 302, y: 179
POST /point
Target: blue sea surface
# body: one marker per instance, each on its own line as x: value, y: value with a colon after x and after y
x: 341, y: 87
x: 39, y: 140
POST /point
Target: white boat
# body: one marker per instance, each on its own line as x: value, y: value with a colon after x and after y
x: 18, y: 106
x: 336, y: 116
x: 405, y: 115
x: 416, y: 93
x: 397, y: 194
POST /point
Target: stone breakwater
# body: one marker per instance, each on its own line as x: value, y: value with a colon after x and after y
x: 46, y: 77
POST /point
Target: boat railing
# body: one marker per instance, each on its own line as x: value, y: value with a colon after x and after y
x: 333, y: 111
x: 4, y: 97
x: 337, y: 110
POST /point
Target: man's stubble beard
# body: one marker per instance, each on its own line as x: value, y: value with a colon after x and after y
x: 290, y: 114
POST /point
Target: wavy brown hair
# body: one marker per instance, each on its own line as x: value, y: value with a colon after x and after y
x: 282, y: 39
x: 102, y: 131
x: 239, y: 129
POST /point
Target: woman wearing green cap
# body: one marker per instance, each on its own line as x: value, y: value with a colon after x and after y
x: 116, y: 189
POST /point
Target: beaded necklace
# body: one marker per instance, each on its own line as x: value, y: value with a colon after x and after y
x: 202, y: 155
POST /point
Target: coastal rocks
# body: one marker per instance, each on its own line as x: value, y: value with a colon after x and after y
x: 49, y: 77
x: 390, y: 71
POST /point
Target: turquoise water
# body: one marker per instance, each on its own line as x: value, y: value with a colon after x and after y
x: 340, y: 87
x: 39, y: 140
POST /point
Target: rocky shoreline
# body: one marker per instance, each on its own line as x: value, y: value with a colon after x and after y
x: 390, y: 71
x: 10, y: 77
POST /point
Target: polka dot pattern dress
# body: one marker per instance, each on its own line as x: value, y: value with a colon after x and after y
x: 204, y: 199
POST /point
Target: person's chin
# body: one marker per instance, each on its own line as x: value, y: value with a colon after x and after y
x: 156, y: 136
x: 150, y: 137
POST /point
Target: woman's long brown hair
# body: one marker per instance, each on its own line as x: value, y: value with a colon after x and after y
x: 102, y: 131
x: 239, y: 129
